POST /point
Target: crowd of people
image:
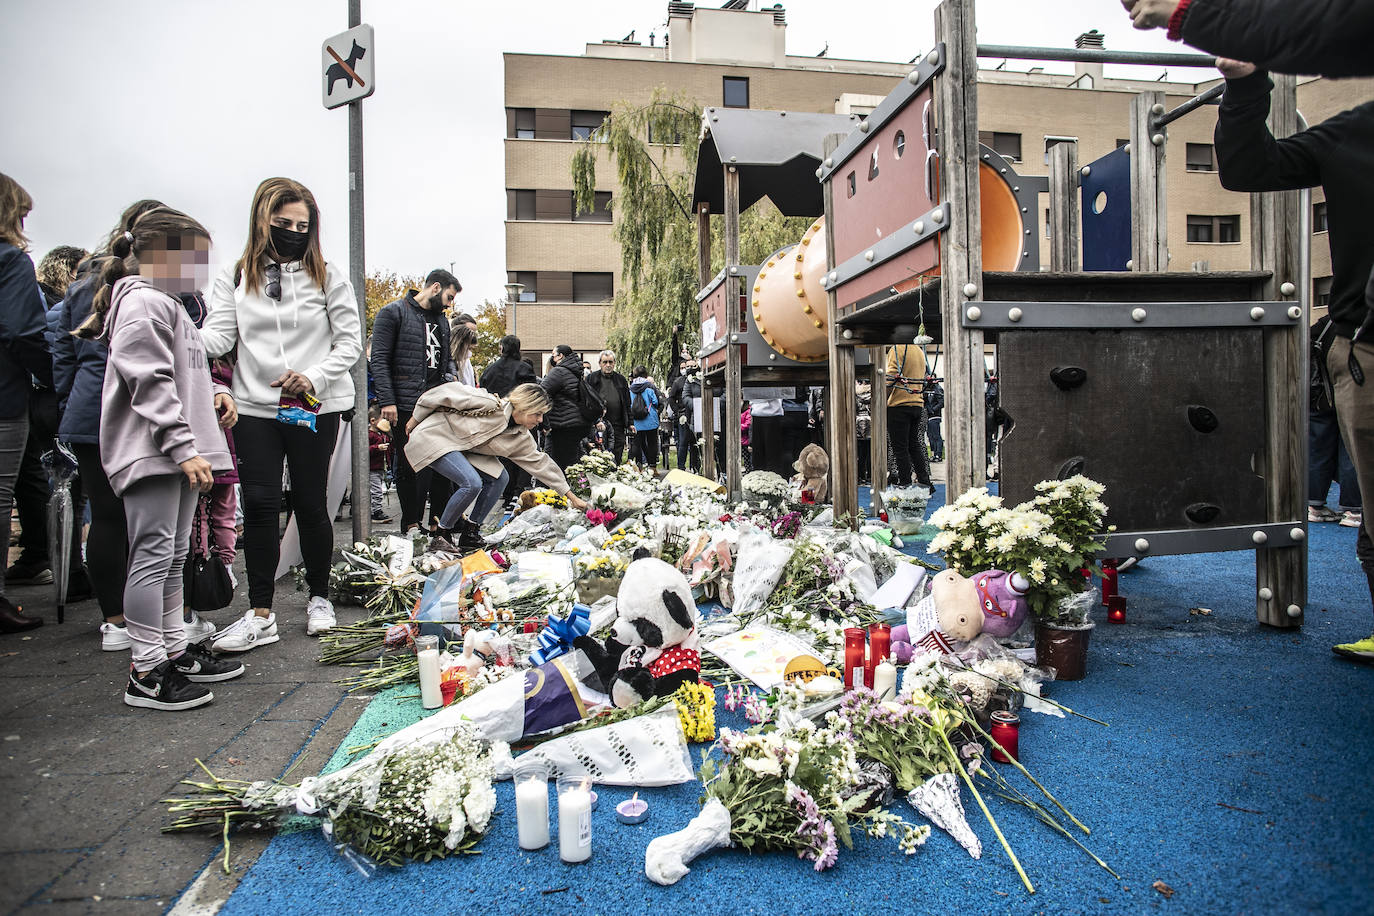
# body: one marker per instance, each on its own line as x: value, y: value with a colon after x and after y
x: 184, y: 415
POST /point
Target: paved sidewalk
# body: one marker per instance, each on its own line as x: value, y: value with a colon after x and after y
x: 81, y: 774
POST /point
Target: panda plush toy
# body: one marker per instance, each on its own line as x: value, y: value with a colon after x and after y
x: 652, y: 649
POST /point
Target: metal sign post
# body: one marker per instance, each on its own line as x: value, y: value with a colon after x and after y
x: 349, y: 61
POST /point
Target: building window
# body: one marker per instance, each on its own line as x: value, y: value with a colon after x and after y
x: 592, y: 287
x: 873, y: 166
x: 600, y: 212
x: 1052, y: 142
x: 586, y: 123
x: 850, y: 184
x: 1319, y: 217
x: 527, y: 277
x: 1120, y: 142
x: 520, y: 123
x: 735, y: 90
x: 1201, y: 157
x: 519, y: 204
x: 1047, y: 222
x: 1213, y: 228
x: 1006, y: 145
x: 1321, y: 293
x: 657, y: 136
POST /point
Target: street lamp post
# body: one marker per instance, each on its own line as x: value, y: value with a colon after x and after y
x: 513, y: 291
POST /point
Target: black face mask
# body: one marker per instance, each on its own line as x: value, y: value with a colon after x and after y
x: 289, y: 244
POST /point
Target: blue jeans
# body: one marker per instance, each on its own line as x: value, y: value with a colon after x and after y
x: 471, y: 488
x: 1327, y: 460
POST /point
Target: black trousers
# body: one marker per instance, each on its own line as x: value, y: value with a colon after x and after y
x: 644, y: 447
x: 906, y: 429
x: 262, y: 445
x: 687, y: 450
x: 31, y: 487
x: 412, y: 486
x: 616, y: 437
x: 565, y: 444
x: 765, y: 438
x: 107, y: 543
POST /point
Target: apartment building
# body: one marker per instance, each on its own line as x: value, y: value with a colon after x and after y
x: 568, y: 266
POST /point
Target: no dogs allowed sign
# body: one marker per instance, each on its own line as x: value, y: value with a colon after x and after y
x: 348, y: 60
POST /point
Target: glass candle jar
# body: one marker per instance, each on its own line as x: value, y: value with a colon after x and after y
x: 532, y: 805
x: 427, y: 654
x: 879, y: 645
x: 853, y: 658
x: 1005, y: 731
x: 574, y: 819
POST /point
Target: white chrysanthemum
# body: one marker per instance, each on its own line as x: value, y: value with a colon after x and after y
x: 479, y: 804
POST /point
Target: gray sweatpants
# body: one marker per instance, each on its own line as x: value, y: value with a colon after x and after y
x: 158, y: 511
x: 13, y: 434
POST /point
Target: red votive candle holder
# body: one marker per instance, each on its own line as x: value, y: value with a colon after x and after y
x: 879, y: 646
x: 853, y: 657
x: 1116, y: 609
x: 1005, y: 731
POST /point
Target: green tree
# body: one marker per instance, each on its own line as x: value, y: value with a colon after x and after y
x: 383, y: 286
x: 655, y: 227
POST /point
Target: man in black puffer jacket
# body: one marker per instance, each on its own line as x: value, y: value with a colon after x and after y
x: 410, y: 355
x: 567, y: 426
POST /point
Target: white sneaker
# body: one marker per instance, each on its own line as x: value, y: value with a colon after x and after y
x: 114, y: 638
x: 248, y: 632
x: 198, y: 629
x: 320, y: 614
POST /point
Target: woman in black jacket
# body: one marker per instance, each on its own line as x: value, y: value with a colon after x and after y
x: 566, y: 423
x: 509, y: 371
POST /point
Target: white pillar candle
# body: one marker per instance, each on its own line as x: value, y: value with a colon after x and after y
x: 532, y: 811
x: 430, y: 694
x: 574, y: 820
x: 885, y: 680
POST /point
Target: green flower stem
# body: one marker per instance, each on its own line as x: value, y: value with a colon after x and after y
x: 1059, y: 706
x: 1035, y: 782
x: 1016, y: 796
x: 954, y: 757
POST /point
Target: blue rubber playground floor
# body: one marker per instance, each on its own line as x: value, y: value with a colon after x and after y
x: 1235, y: 772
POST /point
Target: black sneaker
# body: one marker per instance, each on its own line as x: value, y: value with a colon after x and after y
x: 164, y: 688
x: 22, y: 573
x: 380, y: 516
x: 200, y: 666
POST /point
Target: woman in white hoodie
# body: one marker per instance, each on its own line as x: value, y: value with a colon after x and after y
x: 294, y: 321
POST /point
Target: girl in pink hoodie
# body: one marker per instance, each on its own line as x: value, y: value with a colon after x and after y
x: 160, y: 444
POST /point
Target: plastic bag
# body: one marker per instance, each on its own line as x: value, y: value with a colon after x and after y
x: 758, y: 568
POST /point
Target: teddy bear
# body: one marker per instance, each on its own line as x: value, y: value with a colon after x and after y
x: 1002, y: 596
x: 952, y: 612
x: 652, y: 649
x: 813, y: 465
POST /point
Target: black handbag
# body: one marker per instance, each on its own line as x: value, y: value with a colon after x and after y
x: 206, y: 582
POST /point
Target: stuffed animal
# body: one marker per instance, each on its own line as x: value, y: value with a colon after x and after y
x: 813, y: 465
x: 1003, y: 599
x: 951, y: 613
x: 652, y: 649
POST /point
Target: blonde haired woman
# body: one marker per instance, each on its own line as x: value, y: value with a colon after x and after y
x: 293, y: 320
x: 463, y: 432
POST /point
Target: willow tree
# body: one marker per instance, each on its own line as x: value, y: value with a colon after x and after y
x: 655, y: 227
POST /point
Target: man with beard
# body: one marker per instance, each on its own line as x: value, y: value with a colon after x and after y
x: 410, y: 355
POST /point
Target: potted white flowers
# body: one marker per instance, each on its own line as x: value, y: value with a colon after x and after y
x: 1050, y: 539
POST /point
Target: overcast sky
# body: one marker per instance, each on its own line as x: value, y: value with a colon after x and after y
x: 195, y: 103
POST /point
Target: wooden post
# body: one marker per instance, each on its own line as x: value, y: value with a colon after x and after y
x: 877, y: 450
x: 1149, y: 215
x: 708, y: 429
x: 730, y: 410
x: 1064, y: 207
x: 704, y: 274
x: 961, y: 255
x: 1276, y: 245
x: 840, y: 418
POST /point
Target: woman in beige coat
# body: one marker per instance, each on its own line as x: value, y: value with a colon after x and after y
x: 463, y: 432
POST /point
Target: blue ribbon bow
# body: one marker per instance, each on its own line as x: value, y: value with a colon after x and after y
x: 559, y: 632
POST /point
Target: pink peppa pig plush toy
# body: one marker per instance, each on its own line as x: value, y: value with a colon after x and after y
x: 950, y: 613
x: 1003, y: 599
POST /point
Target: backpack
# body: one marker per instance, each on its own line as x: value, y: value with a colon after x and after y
x: 589, y: 402
x: 639, y: 406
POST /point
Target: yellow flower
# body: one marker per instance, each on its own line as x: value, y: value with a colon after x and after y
x: 696, y: 705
